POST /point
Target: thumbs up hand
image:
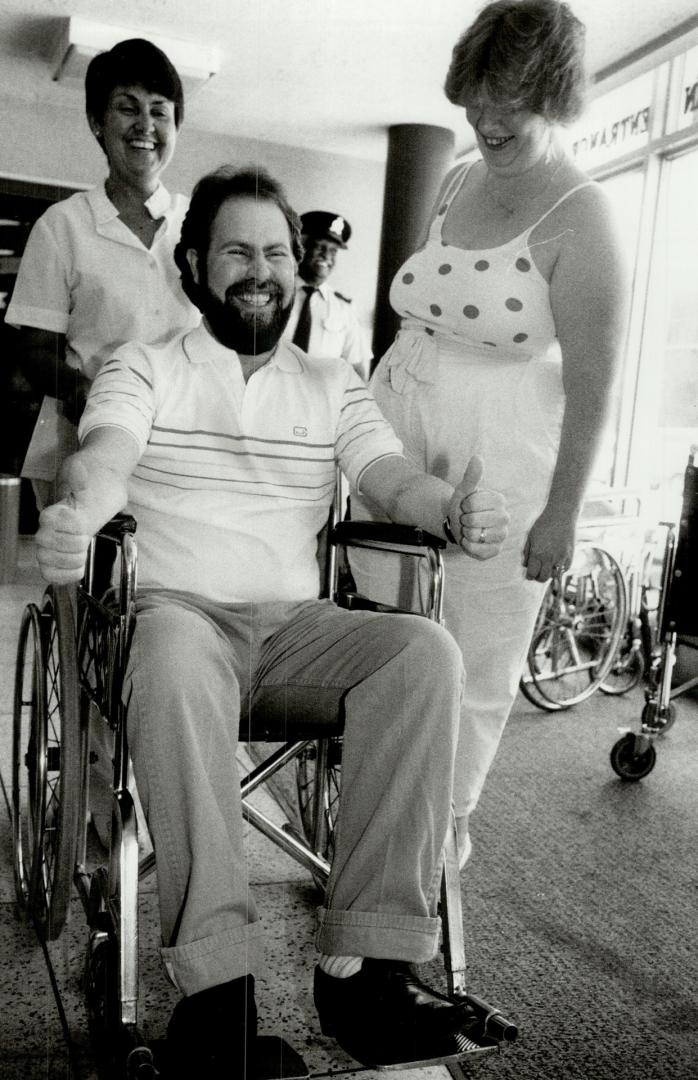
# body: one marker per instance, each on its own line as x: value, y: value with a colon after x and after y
x: 63, y: 536
x: 477, y: 516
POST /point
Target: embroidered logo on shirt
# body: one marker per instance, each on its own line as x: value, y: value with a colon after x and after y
x: 301, y: 432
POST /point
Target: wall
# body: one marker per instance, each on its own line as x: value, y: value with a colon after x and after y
x: 44, y: 143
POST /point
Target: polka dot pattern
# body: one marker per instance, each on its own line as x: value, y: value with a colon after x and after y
x: 454, y: 290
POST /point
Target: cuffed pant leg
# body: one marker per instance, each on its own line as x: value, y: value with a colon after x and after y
x: 183, y: 713
x: 403, y: 675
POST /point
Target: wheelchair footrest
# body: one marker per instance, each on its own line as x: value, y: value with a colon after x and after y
x: 470, y: 1048
x: 277, y: 1060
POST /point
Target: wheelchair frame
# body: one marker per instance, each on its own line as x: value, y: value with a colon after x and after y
x: 578, y: 631
x: 86, y: 641
x: 634, y: 755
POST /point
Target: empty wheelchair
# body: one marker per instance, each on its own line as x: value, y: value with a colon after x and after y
x: 577, y: 632
x: 71, y: 662
x: 634, y: 755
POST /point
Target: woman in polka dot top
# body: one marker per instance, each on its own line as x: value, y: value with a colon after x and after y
x: 513, y: 313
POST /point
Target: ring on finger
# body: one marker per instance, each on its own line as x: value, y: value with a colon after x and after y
x: 481, y: 537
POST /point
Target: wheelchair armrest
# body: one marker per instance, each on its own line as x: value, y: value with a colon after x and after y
x: 384, y: 534
x: 118, y: 527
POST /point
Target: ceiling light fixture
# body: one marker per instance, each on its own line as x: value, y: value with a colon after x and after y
x: 79, y: 40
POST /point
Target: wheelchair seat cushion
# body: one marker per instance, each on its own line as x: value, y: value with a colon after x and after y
x: 288, y: 713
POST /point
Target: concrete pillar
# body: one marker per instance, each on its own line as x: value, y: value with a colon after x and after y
x: 419, y: 155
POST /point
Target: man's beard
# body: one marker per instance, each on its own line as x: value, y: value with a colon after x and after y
x: 248, y: 333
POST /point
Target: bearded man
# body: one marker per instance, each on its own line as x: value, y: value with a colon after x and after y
x: 223, y: 443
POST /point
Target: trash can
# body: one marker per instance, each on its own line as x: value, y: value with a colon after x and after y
x: 9, y: 526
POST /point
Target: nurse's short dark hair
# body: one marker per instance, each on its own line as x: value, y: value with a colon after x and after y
x: 135, y: 62
x: 524, y: 54
x: 207, y: 198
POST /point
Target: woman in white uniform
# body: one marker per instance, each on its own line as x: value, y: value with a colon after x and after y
x: 98, y: 268
x: 513, y: 313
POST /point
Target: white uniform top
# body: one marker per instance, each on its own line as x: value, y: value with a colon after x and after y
x: 86, y: 275
x: 235, y: 479
x: 334, y: 328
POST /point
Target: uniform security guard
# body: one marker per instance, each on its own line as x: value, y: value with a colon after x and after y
x: 323, y: 322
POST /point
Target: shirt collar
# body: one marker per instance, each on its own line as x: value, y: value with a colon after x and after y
x: 201, y: 347
x: 104, y: 210
x: 323, y: 288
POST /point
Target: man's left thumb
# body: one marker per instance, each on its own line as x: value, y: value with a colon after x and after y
x: 472, y: 475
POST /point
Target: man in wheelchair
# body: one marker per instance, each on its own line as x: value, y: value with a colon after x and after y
x: 223, y: 443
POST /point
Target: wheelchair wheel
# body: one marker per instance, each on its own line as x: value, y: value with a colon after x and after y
x: 577, y: 633
x: 27, y: 752
x: 627, y: 763
x: 319, y: 764
x: 59, y: 765
x: 526, y: 684
x: 102, y: 1000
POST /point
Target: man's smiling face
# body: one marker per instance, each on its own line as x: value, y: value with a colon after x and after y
x: 318, y: 259
x: 248, y: 276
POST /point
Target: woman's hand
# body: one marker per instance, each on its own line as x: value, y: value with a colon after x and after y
x: 549, y: 546
x: 478, y: 517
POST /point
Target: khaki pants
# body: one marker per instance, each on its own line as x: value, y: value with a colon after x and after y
x: 193, y: 666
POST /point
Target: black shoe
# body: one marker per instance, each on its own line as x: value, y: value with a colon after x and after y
x: 213, y: 1034
x: 384, y: 1015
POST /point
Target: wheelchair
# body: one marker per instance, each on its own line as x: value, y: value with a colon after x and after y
x: 577, y: 633
x: 634, y: 755
x: 71, y: 661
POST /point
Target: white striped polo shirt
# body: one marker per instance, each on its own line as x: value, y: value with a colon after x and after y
x: 235, y: 479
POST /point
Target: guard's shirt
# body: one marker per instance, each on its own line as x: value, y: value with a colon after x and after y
x: 334, y: 328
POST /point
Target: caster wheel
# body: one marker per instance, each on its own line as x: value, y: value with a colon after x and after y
x: 102, y: 1001
x: 629, y: 765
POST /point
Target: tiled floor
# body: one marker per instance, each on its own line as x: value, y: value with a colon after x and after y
x: 43, y: 1027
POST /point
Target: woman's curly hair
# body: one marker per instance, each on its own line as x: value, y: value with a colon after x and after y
x: 525, y: 54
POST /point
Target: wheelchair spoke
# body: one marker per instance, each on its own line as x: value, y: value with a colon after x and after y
x: 320, y: 764
x: 577, y: 632
x: 27, y: 751
x: 57, y: 765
